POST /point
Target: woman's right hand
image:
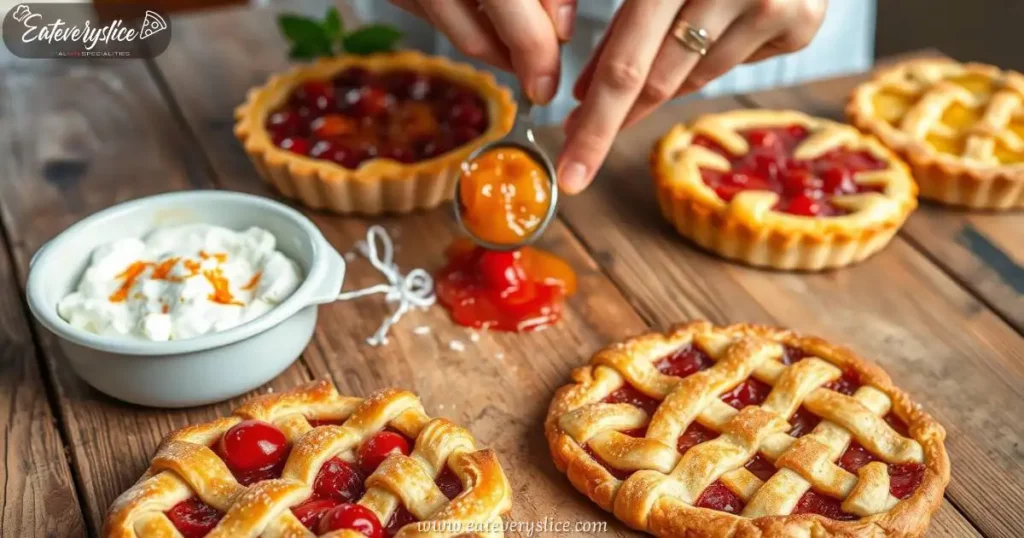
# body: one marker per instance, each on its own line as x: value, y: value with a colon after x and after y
x: 521, y: 36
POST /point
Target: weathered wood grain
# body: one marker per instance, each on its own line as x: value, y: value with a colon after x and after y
x: 38, y: 496
x: 81, y: 137
x: 982, y: 250
x: 962, y: 362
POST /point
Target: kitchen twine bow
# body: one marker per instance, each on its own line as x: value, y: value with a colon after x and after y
x: 415, y: 289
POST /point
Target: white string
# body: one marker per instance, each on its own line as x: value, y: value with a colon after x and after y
x: 415, y: 289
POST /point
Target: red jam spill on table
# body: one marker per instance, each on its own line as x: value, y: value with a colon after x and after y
x: 805, y: 187
x: 361, y: 115
x: 905, y: 478
x: 254, y: 451
x: 506, y: 291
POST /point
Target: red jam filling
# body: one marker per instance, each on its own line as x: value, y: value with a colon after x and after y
x: 515, y: 291
x: 399, y: 519
x: 362, y: 115
x: 376, y: 449
x: 694, y: 435
x: 749, y: 392
x: 629, y: 394
x: 193, y: 518
x: 802, y: 422
x: 804, y: 187
x: 813, y: 502
x: 761, y: 467
x: 685, y: 361
x: 719, y: 497
x: 253, y: 451
x: 449, y: 484
x: 312, y: 511
x: 904, y: 478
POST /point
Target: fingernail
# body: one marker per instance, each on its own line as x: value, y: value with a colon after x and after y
x: 573, y: 177
x: 544, y: 89
x: 563, y: 25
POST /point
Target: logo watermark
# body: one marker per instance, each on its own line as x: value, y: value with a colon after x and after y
x: 544, y: 527
x: 60, y: 30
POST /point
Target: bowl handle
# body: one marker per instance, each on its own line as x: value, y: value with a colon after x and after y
x: 330, y: 285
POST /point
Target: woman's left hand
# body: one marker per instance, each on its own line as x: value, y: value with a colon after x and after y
x: 648, y: 57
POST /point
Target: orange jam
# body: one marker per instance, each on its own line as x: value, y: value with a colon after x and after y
x: 505, y: 195
x: 514, y: 291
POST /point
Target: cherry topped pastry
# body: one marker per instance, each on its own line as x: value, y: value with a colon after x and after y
x: 369, y: 134
x: 309, y: 463
x: 781, y: 189
x: 747, y: 430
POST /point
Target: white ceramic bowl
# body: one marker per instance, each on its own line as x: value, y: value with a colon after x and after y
x: 194, y: 371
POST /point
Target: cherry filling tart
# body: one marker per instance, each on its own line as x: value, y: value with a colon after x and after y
x: 747, y: 431
x: 310, y: 462
x: 371, y: 134
x: 781, y: 189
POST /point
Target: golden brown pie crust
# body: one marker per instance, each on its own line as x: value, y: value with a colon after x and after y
x: 645, y: 500
x: 748, y: 230
x: 380, y: 185
x: 186, y: 466
x: 972, y: 179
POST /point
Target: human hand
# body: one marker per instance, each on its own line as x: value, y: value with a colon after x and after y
x: 521, y: 36
x: 641, y: 63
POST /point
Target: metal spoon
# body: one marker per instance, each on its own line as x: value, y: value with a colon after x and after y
x: 520, y: 137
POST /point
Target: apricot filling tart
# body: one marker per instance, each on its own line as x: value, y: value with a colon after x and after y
x: 959, y: 126
x: 747, y: 431
x: 371, y: 134
x: 781, y: 189
x: 312, y: 463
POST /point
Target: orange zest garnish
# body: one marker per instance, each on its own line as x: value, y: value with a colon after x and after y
x: 253, y: 282
x: 163, y: 270
x: 221, y: 290
x: 130, y: 275
x: 219, y: 256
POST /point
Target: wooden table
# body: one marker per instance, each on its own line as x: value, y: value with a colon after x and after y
x: 941, y: 308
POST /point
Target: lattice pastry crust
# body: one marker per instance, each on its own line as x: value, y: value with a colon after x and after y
x: 659, y: 497
x: 185, y: 465
x: 747, y: 228
x: 977, y: 111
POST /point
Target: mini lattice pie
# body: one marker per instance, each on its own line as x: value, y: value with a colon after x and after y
x: 781, y: 189
x: 959, y: 126
x: 747, y: 431
x: 309, y: 463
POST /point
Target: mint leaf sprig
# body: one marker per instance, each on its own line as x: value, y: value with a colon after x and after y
x: 311, y: 37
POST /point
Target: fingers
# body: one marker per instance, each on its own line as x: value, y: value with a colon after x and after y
x: 619, y: 76
x: 674, y: 61
x: 468, y: 29
x: 563, y: 14
x: 586, y: 76
x: 529, y: 34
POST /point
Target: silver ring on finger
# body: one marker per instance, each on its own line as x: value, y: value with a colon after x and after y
x: 695, y: 39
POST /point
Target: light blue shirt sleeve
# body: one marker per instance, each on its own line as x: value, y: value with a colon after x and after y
x: 845, y: 44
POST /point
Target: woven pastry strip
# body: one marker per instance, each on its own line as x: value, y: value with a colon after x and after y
x: 186, y: 466
x: 660, y: 493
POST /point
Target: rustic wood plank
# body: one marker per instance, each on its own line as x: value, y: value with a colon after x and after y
x: 946, y: 348
x: 982, y: 250
x: 83, y: 136
x: 38, y: 495
x: 499, y: 386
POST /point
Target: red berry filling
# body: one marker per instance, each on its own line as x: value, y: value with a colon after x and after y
x: 760, y: 467
x: 339, y: 481
x: 685, y: 361
x: 376, y: 449
x: 749, y: 392
x: 448, y: 482
x: 629, y: 394
x: 803, y: 422
x: 813, y: 502
x: 719, y: 497
x: 399, y: 519
x: 353, y: 517
x: 310, y: 512
x: 253, y: 451
x: 193, y: 518
x: 694, y: 435
x: 361, y: 115
x: 804, y: 187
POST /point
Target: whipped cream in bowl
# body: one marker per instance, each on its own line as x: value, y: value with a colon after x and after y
x: 185, y: 298
x: 180, y: 282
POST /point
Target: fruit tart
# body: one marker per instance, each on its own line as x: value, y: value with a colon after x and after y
x: 747, y: 431
x: 781, y: 189
x: 959, y: 126
x: 310, y: 462
x: 371, y: 134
